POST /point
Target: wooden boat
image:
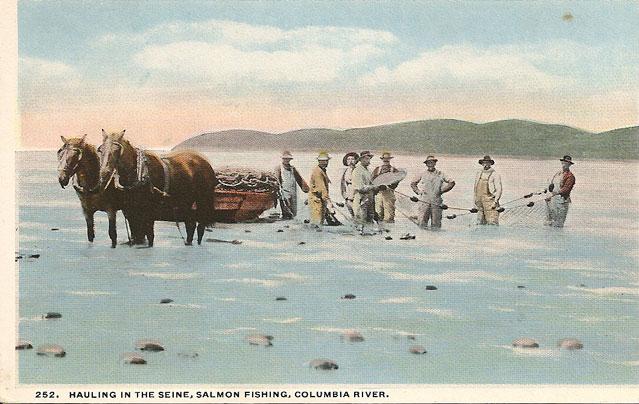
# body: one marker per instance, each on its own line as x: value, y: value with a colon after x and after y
x: 233, y: 206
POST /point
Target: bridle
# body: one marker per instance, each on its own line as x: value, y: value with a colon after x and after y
x: 63, y: 153
x: 114, y: 172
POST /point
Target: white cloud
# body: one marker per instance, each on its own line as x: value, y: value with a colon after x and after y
x: 247, y: 35
x: 511, y: 67
x: 221, y: 62
x: 35, y: 69
x: 221, y: 52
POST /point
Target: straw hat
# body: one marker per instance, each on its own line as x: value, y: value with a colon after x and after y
x: 386, y: 156
x: 323, y: 156
x: 430, y: 158
x: 287, y: 155
x: 365, y: 153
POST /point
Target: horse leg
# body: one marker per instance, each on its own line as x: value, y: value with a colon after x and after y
x: 200, y: 232
x: 190, y: 230
x: 150, y: 234
x: 113, y: 232
x: 88, y: 216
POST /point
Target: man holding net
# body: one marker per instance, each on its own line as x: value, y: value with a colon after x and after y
x: 560, y: 186
x: 487, y: 192
x: 430, y: 185
x: 289, y: 179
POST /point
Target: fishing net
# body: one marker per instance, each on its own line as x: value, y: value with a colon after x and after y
x: 246, y: 179
x: 527, y: 214
x: 524, y: 215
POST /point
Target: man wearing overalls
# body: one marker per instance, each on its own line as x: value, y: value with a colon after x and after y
x: 487, y: 192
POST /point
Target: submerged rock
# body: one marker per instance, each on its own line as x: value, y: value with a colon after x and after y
x: 34, y: 256
x: 521, y: 287
x: 388, y: 238
x: 188, y: 355
x: 352, y: 336
x: 149, y: 345
x: 52, y: 314
x: 570, y: 344
x: 417, y: 349
x: 260, y: 339
x: 51, y: 350
x: 323, y: 364
x: 411, y: 337
x: 54, y: 229
x: 525, y: 343
x: 280, y: 231
x: 301, y: 243
x: 134, y: 359
x: 431, y: 287
x: 348, y: 296
x: 165, y: 301
x: 280, y: 298
x: 21, y: 344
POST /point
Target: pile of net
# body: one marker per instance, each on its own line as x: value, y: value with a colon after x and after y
x: 246, y: 179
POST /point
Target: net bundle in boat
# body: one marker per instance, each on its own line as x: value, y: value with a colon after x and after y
x: 246, y: 179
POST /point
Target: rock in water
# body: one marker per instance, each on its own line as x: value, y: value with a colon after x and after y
x: 51, y: 350
x: 280, y: 298
x: 388, y: 238
x: 323, y: 364
x: 570, y: 344
x: 259, y: 339
x: 352, y: 336
x: 417, y: 349
x: 521, y: 287
x: 165, y: 301
x: 525, y: 343
x: 431, y: 287
x: 21, y: 344
x: 149, y: 345
x: 348, y: 296
x: 134, y: 359
x: 189, y: 355
x: 52, y: 314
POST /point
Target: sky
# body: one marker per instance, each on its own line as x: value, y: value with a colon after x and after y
x: 168, y: 70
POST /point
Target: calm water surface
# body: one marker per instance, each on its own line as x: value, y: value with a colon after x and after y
x: 580, y: 281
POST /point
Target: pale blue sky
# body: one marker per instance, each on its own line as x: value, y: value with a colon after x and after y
x: 374, y: 58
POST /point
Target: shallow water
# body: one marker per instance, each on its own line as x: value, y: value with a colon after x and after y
x: 580, y: 281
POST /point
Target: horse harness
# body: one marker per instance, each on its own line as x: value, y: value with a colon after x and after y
x: 143, y: 178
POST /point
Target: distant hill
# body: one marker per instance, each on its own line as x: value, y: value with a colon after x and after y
x: 439, y: 136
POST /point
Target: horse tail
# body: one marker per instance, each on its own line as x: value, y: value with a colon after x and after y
x: 206, y: 194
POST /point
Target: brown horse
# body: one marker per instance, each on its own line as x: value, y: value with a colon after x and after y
x: 78, y: 159
x: 177, y: 187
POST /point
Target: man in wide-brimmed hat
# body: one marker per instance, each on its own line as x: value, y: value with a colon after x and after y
x: 385, y: 200
x: 319, y: 201
x: 430, y: 185
x: 364, y: 191
x: 560, y: 186
x: 346, y: 183
x: 487, y: 192
x: 289, y: 179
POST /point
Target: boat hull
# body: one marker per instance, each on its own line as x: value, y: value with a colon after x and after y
x: 240, y: 206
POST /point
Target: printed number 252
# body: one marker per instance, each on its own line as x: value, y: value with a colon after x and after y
x: 45, y: 394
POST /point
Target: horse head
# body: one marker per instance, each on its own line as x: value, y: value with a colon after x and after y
x: 111, y: 153
x: 69, y: 158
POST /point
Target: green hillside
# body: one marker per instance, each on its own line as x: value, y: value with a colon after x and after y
x: 440, y: 136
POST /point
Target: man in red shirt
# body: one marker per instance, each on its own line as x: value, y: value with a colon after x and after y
x: 560, y: 186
